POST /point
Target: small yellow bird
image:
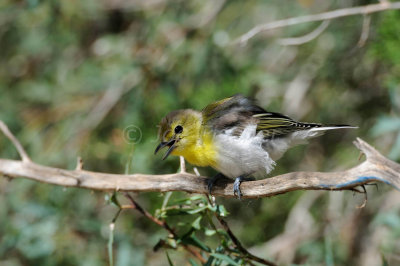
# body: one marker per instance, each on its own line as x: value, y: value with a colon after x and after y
x: 234, y: 136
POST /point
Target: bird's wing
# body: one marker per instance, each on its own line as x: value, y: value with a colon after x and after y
x: 276, y: 125
x: 236, y: 111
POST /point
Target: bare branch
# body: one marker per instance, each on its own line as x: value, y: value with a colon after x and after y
x: 376, y: 168
x: 360, y: 10
x: 305, y: 38
x: 365, y: 31
x: 15, y: 142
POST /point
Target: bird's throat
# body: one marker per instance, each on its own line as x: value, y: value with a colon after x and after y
x: 201, y: 151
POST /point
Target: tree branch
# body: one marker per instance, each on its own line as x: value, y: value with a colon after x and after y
x: 163, y: 224
x: 359, y: 10
x: 21, y: 151
x: 376, y: 168
x: 236, y: 241
x: 305, y: 38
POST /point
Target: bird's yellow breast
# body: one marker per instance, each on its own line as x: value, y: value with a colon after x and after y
x: 200, y: 150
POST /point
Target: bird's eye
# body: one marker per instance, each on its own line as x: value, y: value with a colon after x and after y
x: 178, y: 129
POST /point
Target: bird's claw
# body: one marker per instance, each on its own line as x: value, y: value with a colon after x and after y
x: 236, y: 187
x: 211, y: 182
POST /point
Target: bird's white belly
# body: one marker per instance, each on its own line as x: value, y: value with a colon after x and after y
x: 242, y: 155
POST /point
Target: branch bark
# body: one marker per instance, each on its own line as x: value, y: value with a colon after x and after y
x: 359, y: 10
x: 376, y: 168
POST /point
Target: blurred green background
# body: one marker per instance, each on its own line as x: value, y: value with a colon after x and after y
x: 76, y: 76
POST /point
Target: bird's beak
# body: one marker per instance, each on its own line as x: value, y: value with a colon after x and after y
x: 170, y: 144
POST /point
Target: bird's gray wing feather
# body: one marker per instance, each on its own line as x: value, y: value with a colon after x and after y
x: 233, y: 112
x: 238, y: 111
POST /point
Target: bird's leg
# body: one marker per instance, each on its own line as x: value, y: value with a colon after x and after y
x: 236, y: 184
x: 211, y: 182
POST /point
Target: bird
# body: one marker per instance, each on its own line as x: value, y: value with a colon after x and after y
x: 235, y: 136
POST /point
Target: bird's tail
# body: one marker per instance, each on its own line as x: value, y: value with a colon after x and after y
x: 321, y: 127
x: 312, y: 130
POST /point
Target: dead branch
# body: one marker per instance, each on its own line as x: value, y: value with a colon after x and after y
x: 305, y: 38
x: 365, y: 31
x: 21, y: 151
x: 376, y: 168
x: 359, y: 10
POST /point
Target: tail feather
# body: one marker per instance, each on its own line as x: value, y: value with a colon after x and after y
x: 312, y: 130
x: 319, y: 127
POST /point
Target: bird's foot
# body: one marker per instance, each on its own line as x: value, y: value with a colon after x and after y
x: 211, y: 181
x: 236, y: 185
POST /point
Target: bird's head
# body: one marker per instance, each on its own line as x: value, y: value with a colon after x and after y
x: 178, y: 130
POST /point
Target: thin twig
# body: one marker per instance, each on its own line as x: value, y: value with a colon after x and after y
x: 305, y: 38
x: 79, y: 163
x: 239, y: 245
x: 21, y: 151
x: 365, y: 198
x: 368, y: 9
x: 163, y: 224
x: 196, y: 171
x: 234, y: 238
x: 365, y: 30
x: 182, y: 164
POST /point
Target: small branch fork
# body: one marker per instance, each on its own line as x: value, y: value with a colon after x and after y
x: 376, y: 168
x: 21, y: 151
x: 325, y: 16
x: 236, y: 241
x: 163, y: 224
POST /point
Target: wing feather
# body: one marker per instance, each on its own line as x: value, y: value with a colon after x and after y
x: 238, y: 111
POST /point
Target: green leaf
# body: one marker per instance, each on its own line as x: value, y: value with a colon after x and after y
x: 222, y: 211
x: 213, y: 208
x: 209, y: 232
x: 189, y: 200
x: 166, y: 199
x: 180, y: 201
x: 196, y: 223
x: 180, y: 211
x: 198, y: 197
x: 115, y: 200
x: 225, y: 258
x: 199, y: 209
x: 194, y: 241
x: 209, y: 261
x: 193, y: 262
